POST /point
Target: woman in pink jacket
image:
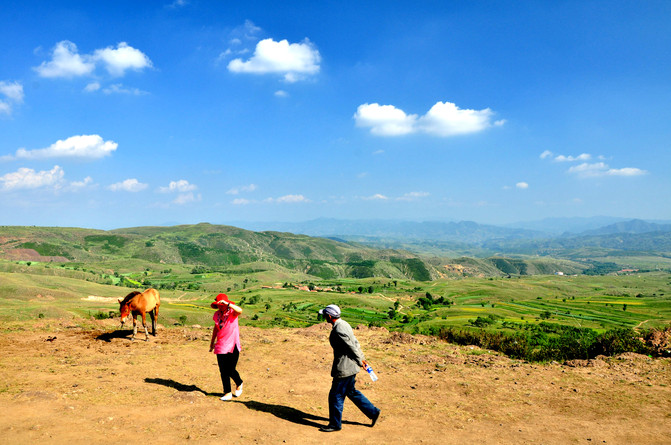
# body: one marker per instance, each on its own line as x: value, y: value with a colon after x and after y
x: 226, y: 343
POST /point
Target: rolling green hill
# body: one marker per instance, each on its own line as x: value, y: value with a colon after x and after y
x: 225, y: 249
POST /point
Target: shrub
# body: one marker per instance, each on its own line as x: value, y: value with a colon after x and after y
x: 100, y: 315
x: 548, y: 341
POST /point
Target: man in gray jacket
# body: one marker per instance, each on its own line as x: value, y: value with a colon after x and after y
x: 347, y: 360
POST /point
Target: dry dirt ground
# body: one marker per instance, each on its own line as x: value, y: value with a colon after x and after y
x: 64, y: 383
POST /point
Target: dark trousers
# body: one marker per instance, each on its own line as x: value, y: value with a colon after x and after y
x: 341, y: 388
x: 227, y: 364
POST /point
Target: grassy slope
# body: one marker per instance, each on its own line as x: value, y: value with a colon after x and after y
x: 583, y: 301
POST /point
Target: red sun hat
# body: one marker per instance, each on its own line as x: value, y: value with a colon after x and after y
x: 220, y: 299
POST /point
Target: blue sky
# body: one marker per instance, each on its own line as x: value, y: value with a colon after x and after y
x: 119, y: 114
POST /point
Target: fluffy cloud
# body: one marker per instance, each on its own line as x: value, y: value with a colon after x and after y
x: 84, y: 146
x: 184, y: 191
x: 128, y: 185
x: 522, y: 185
x: 121, y: 59
x: 118, y: 88
x: 78, y: 185
x: 295, y: 61
x: 185, y: 198
x: 412, y: 196
x: 444, y: 119
x: 292, y: 199
x: 581, y: 157
x: 93, y: 86
x: 67, y: 62
x: 181, y: 186
x: 27, y: 178
x: 244, y: 188
x: 376, y: 197
x: 385, y: 120
x: 11, y: 93
x: 602, y: 169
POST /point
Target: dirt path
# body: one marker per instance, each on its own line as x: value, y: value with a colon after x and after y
x: 640, y: 324
x: 92, y: 385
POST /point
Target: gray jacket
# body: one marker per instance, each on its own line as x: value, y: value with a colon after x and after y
x: 347, y: 355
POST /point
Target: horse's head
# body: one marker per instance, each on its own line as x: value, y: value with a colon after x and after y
x: 124, y: 309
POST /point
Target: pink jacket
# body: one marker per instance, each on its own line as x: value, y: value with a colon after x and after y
x: 227, y: 331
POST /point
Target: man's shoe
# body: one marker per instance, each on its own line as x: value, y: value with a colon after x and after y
x: 238, y: 391
x: 227, y: 397
x: 328, y: 429
x: 374, y: 419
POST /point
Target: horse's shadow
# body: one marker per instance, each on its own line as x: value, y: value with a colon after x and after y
x: 119, y: 333
x: 283, y: 412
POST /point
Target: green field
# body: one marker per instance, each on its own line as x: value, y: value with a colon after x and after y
x: 48, y: 290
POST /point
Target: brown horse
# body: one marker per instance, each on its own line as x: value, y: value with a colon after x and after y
x: 139, y: 303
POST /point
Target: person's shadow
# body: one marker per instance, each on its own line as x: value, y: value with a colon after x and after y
x: 283, y: 412
x: 290, y: 414
x: 179, y: 386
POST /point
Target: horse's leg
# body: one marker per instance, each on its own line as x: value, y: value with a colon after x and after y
x: 153, y: 322
x: 144, y: 324
x: 156, y: 315
x: 134, y: 326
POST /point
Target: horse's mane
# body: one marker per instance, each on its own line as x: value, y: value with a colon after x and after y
x: 130, y: 296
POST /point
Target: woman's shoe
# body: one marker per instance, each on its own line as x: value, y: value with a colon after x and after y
x: 227, y: 397
x: 238, y: 390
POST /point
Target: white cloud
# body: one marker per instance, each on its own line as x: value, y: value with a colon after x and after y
x: 292, y: 199
x: 281, y: 93
x: 185, y: 198
x: 384, y: 120
x: 244, y: 188
x: 91, y: 87
x: 181, y: 186
x: 444, y: 119
x: 240, y: 201
x: 128, y: 185
x: 123, y: 58
x: 78, y: 185
x: 84, y: 146
x: 293, y: 60
x: 11, y: 93
x: 118, y: 88
x: 546, y: 154
x: 602, y: 169
x: 412, y: 196
x: 522, y: 185
x: 581, y: 157
x: 177, y: 4
x: 66, y: 62
x: 27, y: 178
x: 375, y: 197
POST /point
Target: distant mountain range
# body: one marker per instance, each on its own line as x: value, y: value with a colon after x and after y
x: 464, y: 234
